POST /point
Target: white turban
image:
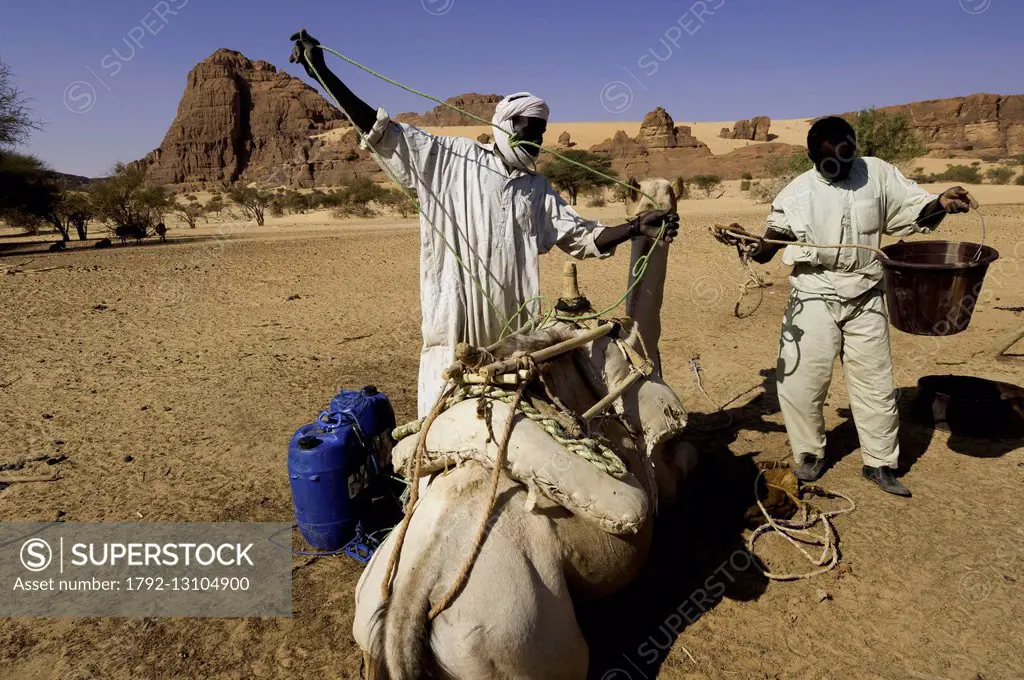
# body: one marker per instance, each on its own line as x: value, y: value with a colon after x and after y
x: 519, y: 104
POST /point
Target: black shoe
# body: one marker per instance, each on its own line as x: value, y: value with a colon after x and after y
x: 811, y: 469
x: 885, y: 478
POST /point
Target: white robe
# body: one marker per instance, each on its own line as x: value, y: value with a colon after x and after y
x: 836, y: 307
x: 497, y: 222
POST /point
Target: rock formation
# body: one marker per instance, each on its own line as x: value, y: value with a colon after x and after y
x: 485, y: 138
x: 754, y: 130
x: 620, y: 146
x: 480, y: 105
x: 565, y: 140
x: 686, y: 140
x: 657, y: 130
x: 239, y: 120
x: 985, y: 125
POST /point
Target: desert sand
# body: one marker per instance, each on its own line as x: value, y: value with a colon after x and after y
x: 199, y: 358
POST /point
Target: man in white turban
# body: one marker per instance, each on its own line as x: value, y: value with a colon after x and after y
x: 486, y: 217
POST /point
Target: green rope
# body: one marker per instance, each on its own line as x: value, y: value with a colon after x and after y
x: 639, y: 269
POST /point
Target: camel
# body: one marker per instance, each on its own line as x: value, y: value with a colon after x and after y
x: 514, y: 617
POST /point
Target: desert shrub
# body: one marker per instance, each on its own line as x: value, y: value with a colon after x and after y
x: 787, y: 167
x: 597, y: 202
x: 126, y: 202
x: 745, y: 185
x: 1020, y: 181
x: 766, y: 190
x: 360, y: 190
x: 398, y: 201
x: 1000, y: 175
x: 709, y: 184
x: 276, y: 208
x: 574, y: 180
x: 190, y: 212
x: 889, y: 136
x: 215, y: 206
x: 346, y: 210
x: 315, y: 199
x: 747, y: 176
x: 253, y: 202
x: 960, y: 173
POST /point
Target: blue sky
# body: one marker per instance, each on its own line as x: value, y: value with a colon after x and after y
x: 591, y: 59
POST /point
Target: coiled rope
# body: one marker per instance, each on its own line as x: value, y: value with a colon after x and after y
x: 798, y: 532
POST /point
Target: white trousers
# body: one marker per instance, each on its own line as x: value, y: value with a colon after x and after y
x: 815, y: 330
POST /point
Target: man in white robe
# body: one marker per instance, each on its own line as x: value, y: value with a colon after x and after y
x: 486, y: 217
x: 836, y: 305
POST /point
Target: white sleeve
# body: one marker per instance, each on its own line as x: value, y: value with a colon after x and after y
x: 904, y: 201
x: 563, y: 227
x: 777, y: 219
x: 405, y: 151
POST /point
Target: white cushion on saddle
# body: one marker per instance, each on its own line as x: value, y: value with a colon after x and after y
x: 618, y: 506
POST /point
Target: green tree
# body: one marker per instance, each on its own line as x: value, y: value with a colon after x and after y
x: 189, y: 212
x: 215, y: 206
x: 29, y: 192
x: 709, y: 184
x: 254, y: 202
x: 572, y: 179
x: 124, y: 200
x: 16, y: 118
x: 76, y: 209
x: 889, y: 136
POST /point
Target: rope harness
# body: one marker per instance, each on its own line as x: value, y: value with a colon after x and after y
x: 470, y: 380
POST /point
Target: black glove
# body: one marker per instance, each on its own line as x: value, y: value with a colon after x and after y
x: 957, y: 200
x: 753, y: 244
x: 650, y: 224
x: 306, y: 51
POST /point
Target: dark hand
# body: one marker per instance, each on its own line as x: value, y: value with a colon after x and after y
x: 306, y: 51
x: 650, y: 224
x: 751, y: 243
x: 957, y: 200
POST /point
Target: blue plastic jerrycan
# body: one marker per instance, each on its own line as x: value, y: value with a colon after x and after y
x: 332, y: 463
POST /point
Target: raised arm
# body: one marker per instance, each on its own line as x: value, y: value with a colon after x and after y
x: 306, y: 51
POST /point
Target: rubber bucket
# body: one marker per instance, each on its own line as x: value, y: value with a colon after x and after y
x: 931, y: 287
x: 971, y: 406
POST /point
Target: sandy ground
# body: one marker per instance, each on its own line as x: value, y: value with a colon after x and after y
x: 200, y: 357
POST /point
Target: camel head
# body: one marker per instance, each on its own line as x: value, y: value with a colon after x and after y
x: 665, y: 193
